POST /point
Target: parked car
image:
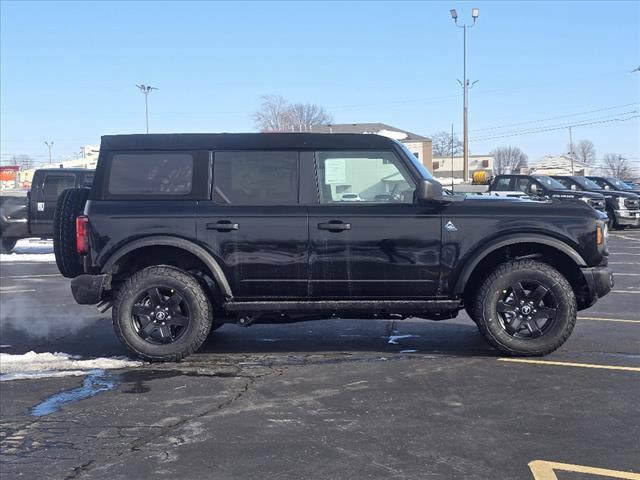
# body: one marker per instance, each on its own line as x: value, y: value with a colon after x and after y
x: 623, y: 207
x: 25, y: 214
x: 171, y: 240
x: 350, y: 197
x: 610, y: 183
x: 540, y: 187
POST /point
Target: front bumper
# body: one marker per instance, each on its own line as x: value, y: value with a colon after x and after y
x: 90, y: 289
x: 628, y: 217
x: 599, y: 282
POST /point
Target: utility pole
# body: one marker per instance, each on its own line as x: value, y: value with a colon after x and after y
x: 146, y: 89
x: 571, y: 149
x: 452, y: 158
x: 49, y: 145
x: 465, y: 86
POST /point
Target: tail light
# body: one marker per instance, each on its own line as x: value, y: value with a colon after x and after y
x: 82, y: 235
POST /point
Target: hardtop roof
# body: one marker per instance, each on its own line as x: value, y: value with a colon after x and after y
x: 247, y: 141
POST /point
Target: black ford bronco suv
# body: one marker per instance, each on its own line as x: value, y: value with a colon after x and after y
x: 183, y: 233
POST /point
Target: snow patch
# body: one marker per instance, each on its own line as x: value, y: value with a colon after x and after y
x: 27, y: 257
x: 393, y: 339
x: 41, y: 365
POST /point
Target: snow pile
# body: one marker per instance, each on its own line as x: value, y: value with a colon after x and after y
x: 30, y: 250
x: 41, y: 365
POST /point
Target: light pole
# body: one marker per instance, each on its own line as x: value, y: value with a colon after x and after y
x: 146, y: 89
x: 465, y: 86
x: 49, y: 145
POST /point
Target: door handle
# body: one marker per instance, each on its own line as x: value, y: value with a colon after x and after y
x: 223, y: 226
x: 334, y: 226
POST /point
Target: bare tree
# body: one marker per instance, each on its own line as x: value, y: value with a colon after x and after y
x: 443, y: 142
x: 276, y: 114
x: 616, y: 166
x: 508, y: 160
x: 583, y: 151
x: 303, y: 115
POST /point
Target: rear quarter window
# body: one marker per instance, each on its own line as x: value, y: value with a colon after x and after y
x: 169, y: 174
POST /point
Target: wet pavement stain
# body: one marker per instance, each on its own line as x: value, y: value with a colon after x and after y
x: 95, y: 382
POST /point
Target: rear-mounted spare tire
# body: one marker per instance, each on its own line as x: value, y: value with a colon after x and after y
x: 70, y: 205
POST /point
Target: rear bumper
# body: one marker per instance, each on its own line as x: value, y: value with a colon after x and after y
x: 628, y: 217
x: 90, y: 289
x: 599, y: 282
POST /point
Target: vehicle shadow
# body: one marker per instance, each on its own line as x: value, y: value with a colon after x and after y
x: 350, y: 336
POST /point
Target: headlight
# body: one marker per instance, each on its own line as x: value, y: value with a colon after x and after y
x: 585, y: 200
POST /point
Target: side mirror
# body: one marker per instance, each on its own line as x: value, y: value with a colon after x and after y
x: 431, y: 191
x: 533, y: 188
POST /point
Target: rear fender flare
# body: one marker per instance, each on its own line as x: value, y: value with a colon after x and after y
x: 177, y: 242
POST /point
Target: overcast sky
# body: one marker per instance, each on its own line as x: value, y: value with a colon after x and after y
x: 69, y: 69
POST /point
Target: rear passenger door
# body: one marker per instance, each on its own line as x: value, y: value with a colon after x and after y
x: 255, y: 225
x: 382, y: 244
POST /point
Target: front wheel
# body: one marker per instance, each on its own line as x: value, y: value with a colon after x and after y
x: 162, y: 314
x: 525, y: 308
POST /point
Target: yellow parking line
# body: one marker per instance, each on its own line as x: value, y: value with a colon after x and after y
x: 570, y: 364
x: 600, y: 319
x: 543, y: 470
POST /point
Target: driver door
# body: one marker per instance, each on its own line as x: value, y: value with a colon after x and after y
x: 381, y: 245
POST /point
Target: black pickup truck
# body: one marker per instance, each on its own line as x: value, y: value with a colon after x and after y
x: 541, y: 187
x: 25, y: 214
x: 182, y: 233
x: 623, y: 207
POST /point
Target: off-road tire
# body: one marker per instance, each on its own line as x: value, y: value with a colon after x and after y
x: 486, y: 316
x: 7, y: 244
x: 70, y: 205
x: 201, y: 313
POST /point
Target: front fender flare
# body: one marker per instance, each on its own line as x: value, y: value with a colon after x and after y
x: 189, y: 246
x: 514, y: 239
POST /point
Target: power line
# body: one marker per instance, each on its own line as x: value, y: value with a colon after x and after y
x: 553, y: 128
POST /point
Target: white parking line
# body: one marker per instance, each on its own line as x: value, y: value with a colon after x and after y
x: 625, y: 291
x: 624, y: 263
x: 570, y: 364
x: 617, y: 253
x: 602, y: 319
x: 15, y: 291
x: 627, y: 274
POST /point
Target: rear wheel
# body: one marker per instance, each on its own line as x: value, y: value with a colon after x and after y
x: 162, y: 314
x: 70, y: 205
x: 525, y: 308
x: 8, y: 244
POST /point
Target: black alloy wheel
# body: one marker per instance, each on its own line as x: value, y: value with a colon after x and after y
x: 527, y: 309
x: 160, y: 315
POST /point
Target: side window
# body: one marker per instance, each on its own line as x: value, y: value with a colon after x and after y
x: 503, y: 184
x: 54, y: 185
x: 566, y: 183
x: 87, y: 180
x: 600, y: 183
x: 255, y: 178
x: 523, y: 184
x: 376, y: 176
x: 151, y: 174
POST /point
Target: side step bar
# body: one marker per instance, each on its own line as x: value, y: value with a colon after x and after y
x: 431, y: 306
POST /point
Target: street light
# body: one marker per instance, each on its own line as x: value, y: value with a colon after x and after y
x: 465, y: 85
x: 49, y: 145
x: 146, y: 89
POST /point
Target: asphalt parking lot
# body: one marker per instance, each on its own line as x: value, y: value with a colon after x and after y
x: 328, y: 399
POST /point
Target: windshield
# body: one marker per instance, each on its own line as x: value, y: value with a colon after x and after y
x: 619, y: 184
x: 550, y: 182
x: 586, y: 183
x: 426, y: 174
